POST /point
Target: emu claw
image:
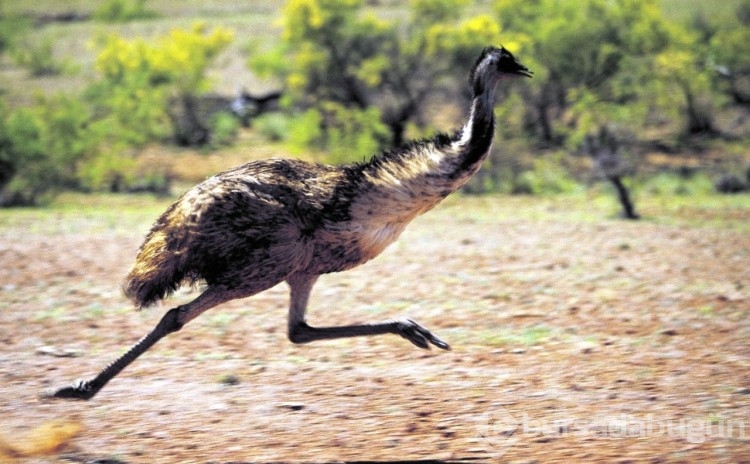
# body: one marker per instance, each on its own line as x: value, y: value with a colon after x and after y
x: 419, y: 335
x: 77, y: 391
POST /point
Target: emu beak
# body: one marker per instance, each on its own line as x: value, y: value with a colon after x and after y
x: 523, y: 71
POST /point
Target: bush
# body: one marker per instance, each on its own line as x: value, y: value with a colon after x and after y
x: 275, y: 127
x: 548, y: 176
x: 730, y: 183
x: 345, y: 134
x: 306, y: 130
x: 39, y: 59
x: 12, y: 30
x: 139, y: 78
x: 42, y: 148
x: 120, y: 11
x: 224, y: 128
x: 671, y: 183
x: 353, y: 134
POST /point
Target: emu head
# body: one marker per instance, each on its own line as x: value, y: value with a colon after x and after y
x: 493, y: 64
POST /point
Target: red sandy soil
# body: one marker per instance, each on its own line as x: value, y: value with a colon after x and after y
x: 598, y: 340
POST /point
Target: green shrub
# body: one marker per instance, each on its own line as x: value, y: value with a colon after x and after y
x: 109, y: 171
x: 548, y: 176
x: 121, y: 11
x: 275, y: 127
x: 42, y: 148
x: 344, y: 134
x: 671, y: 183
x: 305, y: 131
x: 39, y: 58
x: 21, y: 155
x: 224, y: 128
x: 12, y: 30
x: 354, y: 134
x: 139, y: 78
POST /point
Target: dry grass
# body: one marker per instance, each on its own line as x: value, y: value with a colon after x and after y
x: 555, y: 313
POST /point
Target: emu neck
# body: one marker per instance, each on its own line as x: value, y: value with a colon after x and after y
x: 478, y: 132
x: 397, y: 186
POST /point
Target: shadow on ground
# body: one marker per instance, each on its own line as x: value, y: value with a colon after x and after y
x: 471, y: 460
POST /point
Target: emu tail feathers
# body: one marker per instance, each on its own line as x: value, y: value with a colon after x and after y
x: 158, y: 271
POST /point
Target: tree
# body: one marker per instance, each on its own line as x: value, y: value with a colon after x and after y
x: 590, y: 59
x: 607, y: 152
x: 729, y: 55
x: 148, y: 87
x: 334, y: 51
x: 41, y: 149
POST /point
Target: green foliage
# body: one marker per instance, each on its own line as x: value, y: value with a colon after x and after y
x: 41, y: 148
x: 120, y: 11
x: 139, y: 80
x: 12, y: 30
x: 109, y: 171
x: 87, y: 144
x: 273, y: 126
x: 345, y: 134
x: 327, y: 42
x: 38, y: 58
x: 548, y: 176
x: 352, y: 134
x: 305, y: 131
x: 729, y: 55
x: 224, y: 128
x: 671, y: 183
x: 335, y: 56
x: 617, y: 68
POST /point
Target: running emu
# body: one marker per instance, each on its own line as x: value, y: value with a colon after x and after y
x: 254, y: 226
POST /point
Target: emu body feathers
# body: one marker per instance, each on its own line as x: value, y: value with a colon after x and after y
x: 265, y: 222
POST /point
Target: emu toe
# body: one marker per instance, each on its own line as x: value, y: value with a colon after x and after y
x: 73, y: 392
x: 420, y: 336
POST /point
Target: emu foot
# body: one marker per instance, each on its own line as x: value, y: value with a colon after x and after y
x: 419, y: 335
x: 78, y: 391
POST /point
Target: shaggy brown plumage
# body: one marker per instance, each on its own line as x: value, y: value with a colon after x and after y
x: 265, y: 222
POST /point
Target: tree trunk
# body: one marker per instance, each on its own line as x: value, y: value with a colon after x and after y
x: 628, y: 210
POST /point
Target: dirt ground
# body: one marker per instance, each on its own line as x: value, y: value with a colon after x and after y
x: 596, y: 340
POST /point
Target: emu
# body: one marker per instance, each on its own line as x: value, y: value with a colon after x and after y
x: 281, y: 220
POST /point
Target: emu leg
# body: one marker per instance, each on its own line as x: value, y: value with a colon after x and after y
x: 172, y: 321
x: 86, y: 389
x: 300, y: 332
x: 407, y: 328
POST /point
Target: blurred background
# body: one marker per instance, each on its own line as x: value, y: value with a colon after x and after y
x: 123, y: 96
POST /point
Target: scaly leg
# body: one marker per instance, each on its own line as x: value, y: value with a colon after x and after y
x: 171, y: 322
x: 300, y: 332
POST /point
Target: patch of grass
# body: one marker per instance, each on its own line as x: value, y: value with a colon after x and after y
x: 54, y: 314
x: 229, y: 380
x: 706, y: 311
x: 704, y: 210
x: 78, y: 213
x: 676, y: 185
x: 221, y: 321
x: 95, y: 311
x: 212, y: 356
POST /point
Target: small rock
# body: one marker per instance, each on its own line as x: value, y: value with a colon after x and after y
x: 669, y: 332
x: 518, y: 350
x: 218, y: 407
x: 743, y: 391
x: 58, y: 352
x: 229, y: 379
x: 586, y: 347
x: 292, y: 406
